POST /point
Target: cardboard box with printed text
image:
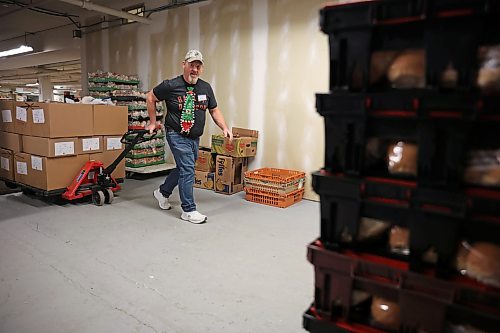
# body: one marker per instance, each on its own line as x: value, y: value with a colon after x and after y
x: 54, y: 120
x: 49, y: 147
x: 21, y: 162
x: 229, y: 173
x: 205, y: 161
x: 89, y: 145
x: 6, y: 164
x: 48, y: 173
x: 20, y: 118
x: 7, y: 115
x: 204, y: 179
x: 244, y: 143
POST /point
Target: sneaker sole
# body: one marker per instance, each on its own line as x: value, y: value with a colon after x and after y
x: 154, y: 194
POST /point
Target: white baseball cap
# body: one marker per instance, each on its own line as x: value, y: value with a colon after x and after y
x: 193, y: 55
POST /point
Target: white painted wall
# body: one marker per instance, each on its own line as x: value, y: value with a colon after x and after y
x: 265, y: 59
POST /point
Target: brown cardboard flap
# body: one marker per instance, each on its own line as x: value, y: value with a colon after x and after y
x: 239, y: 132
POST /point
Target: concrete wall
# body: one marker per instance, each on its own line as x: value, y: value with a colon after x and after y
x: 264, y: 58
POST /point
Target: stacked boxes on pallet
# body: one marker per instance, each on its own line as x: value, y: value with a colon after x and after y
x: 44, y: 145
x: 222, y: 167
x: 410, y: 192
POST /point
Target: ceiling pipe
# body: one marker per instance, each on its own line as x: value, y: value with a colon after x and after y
x: 106, y: 10
x: 37, y: 74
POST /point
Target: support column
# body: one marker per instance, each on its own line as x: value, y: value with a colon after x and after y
x: 45, y: 89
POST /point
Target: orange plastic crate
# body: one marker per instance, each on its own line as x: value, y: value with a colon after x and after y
x: 275, y: 200
x: 276, y: 181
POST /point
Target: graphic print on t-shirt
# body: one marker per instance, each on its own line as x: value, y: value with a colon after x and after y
x: 187, y: 115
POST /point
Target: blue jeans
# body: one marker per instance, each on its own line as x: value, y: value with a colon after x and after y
x: 185, y: 151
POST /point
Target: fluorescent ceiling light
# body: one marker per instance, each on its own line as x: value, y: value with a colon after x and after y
x: 20, y: 49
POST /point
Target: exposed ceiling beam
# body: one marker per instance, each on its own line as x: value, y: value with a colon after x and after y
x: 106, y: 10
x: 41, y: 58
x: 39, y: 74
x: 27, y: 6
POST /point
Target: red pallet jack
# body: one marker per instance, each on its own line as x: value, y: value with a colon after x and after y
x: 96, y: 180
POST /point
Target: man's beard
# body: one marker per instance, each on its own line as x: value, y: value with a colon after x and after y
x: 192, y: 80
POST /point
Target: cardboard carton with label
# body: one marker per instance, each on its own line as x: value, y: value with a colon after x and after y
x: 229, y: 174
x: 53, y: 120
x: 244, y: 143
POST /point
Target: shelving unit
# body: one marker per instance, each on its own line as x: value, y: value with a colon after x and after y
x: 124, y: 90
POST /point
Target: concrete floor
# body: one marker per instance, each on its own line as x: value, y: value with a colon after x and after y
x: 131, y: 267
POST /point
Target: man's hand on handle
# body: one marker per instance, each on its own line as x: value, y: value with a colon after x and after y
x: 151, y: 128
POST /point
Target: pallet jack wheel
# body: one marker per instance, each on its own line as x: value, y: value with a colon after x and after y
x: 108, y: 196
x: 98, y: 198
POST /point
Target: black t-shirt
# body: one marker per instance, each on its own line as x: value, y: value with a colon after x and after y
x: 192, y: 98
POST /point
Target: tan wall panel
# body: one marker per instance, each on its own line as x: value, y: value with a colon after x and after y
x: 284, y: 34
x: 226, y: 41
x: 168, y: 46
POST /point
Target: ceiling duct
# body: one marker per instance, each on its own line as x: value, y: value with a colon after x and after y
x: 106, y: 10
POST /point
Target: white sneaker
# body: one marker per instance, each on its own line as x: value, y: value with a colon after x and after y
x: 194, y: 217
x: 162, y: 201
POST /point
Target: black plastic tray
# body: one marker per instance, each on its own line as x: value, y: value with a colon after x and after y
x: 450, y: 32
x: 435, y: 218
x: 426, y: 303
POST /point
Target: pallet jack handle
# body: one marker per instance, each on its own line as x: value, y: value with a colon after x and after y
x: 129, y: 145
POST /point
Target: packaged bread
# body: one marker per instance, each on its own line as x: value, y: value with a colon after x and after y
x: 483, y: 167
x: 359, y: 296
x: 402, y: 158
x: 399, y: 240
x: 449, y: 77
x: 488, y: 79
x: 465, y: 329
x: 385, y: 312
x: 408, y: 70
x: 480, y: 261
x: 368, y: 229
x: 380, y: 63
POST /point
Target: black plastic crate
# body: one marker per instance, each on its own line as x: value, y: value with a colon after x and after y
x: 413, y: 103
x: 445, y: 127
x: 354, y: 121
x: 450, y: 32
x: 435, y: 219
x: 425, y: 303
x: 315, y: 324
x: 484, y: 204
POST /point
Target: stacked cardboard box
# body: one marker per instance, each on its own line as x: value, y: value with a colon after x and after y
x: 223, y: 168
x: 44, y: 145
x: 204, y: 175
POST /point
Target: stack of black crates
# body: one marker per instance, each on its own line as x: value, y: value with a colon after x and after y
x: 438, y: 208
